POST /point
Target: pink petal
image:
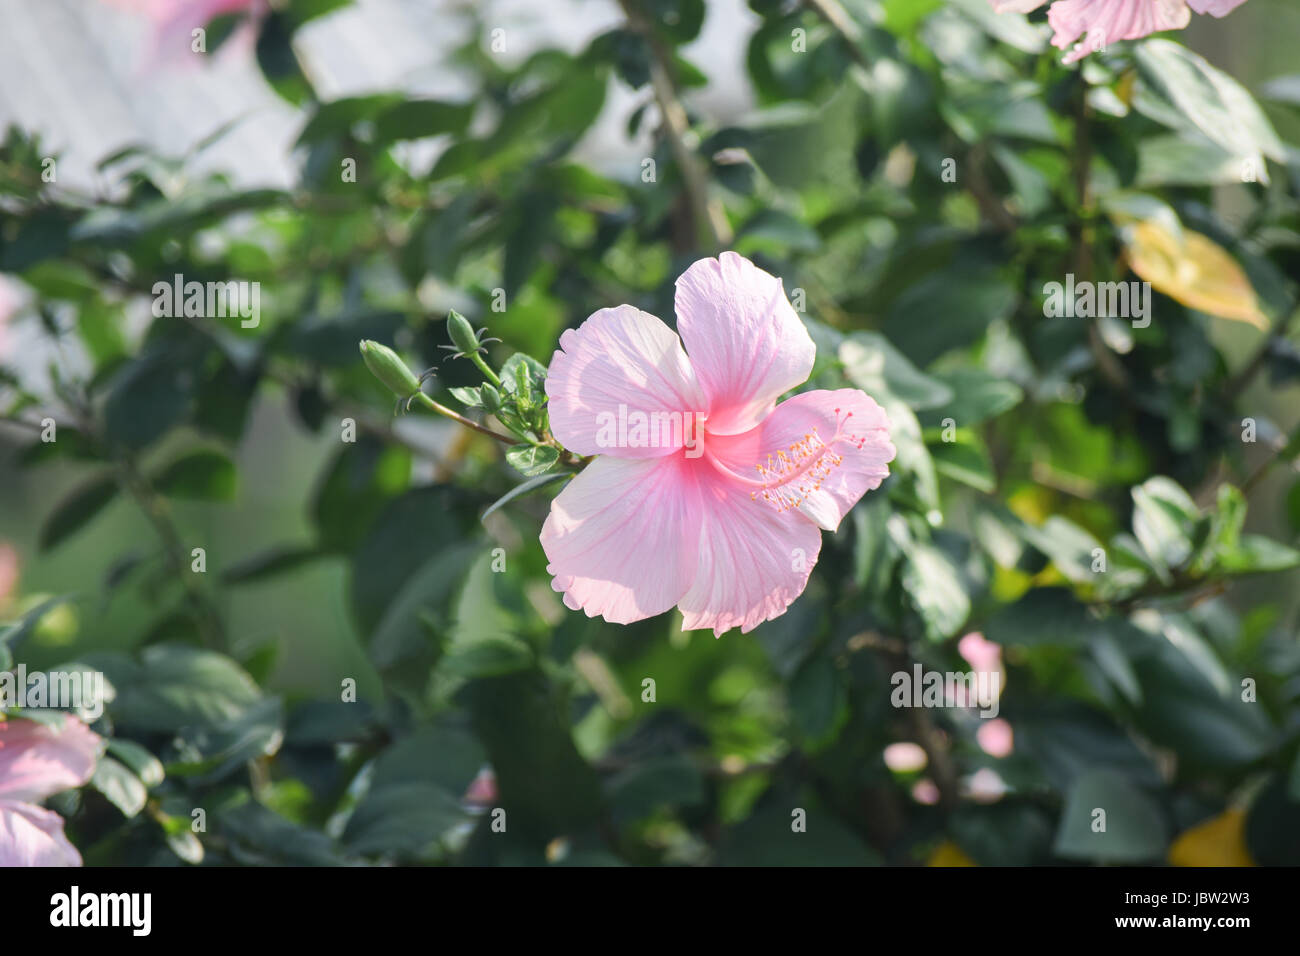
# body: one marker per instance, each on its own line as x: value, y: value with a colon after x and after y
x: 905, y: 757
x: 986, y: 785
x: 33, y: 836
x: 980, y: 653
x: 37, y: 761
x: 926, y: 792
x: 9, y: 568
x: 753, y: 560
x: 1102, y: 22
x: 746, y: 343
x: 175, y: 20
x: 1215, y: 8
x: 622, y: 537
x: 620, y: 357
x: 819, y: 451
x: 995, y: 737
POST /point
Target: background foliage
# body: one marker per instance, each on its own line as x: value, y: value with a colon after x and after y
x: 372, y: 560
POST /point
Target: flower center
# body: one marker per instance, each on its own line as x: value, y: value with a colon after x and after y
x: 789, y: 475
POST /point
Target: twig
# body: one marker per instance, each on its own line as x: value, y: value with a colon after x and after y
x: 708, y: 217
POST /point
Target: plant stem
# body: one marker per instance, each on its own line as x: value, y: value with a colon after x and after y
x: 443, y: 410
x: 707, y: 215
x: 486, y: 369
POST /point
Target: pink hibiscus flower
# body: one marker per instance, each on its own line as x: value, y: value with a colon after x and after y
x: 706, y: 494
x: 37, y: 761
x: 1102, y: 22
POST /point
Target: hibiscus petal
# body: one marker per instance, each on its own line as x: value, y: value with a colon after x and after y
x: 621, y: 361
x: 37, y: 760
x: 1102, y: 22
x: 1215, y: 8
x: 819, y: 452
x: 754, y: 561
x: 746, y: 343
x: 33, y: 836
x: 622, y: 537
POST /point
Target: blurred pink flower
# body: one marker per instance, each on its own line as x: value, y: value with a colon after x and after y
x: 8, y: 572
x: 980, y: 653
x: 995, y: 737
x: 37, y: 761
x: 482, y: 790
x: 719, y: 515
x: 926, y: 791
x: 905, y: 757
x: 175, y: 20
x: 984, y: 657
x: 1102, y: 22
x: 985, y: 786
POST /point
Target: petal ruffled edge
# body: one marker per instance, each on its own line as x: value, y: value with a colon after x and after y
x: 753, y: 561
x: 622, y: 537
x: 33, y: 836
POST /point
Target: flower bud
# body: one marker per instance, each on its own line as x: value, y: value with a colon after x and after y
x: 462, y: 333
x: 386, y: 366
x: 491, y: 398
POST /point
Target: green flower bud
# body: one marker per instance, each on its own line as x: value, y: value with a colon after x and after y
x: 386, y: 366
x: 462, y: 333
x: 491, y: 398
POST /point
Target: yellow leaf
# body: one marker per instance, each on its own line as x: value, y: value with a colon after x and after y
x: 949, y: 854
x: 1219, y: 841
x: 1195, y: 271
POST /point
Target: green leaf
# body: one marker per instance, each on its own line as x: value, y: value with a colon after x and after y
x: 423, y: 523
x: 669, y: 781
x: 404, y: 819
x: 77, y: 509
x: 936, y: 590
x: 270, y: 563
x: 1134, y: 828
x: 876, y: 367
x: 469, y: 397
x: 122, y: 787
x: 174, y: 686
x: 216, y: 750
x: 151, y: 396
x: 767, y: 838
x: 356, y: 488
x: 417, y: 119
x: 531, y: 460
x: 1163, y: 521
x: 818, y: 700
x: 523, y: 488
x: 977, y: 396
x: 13, y: 634
x: 1256, y: 553
x: 201, y: 475
x: 965, y: 460
x: 1176, y: 81
x: 142, y: 763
